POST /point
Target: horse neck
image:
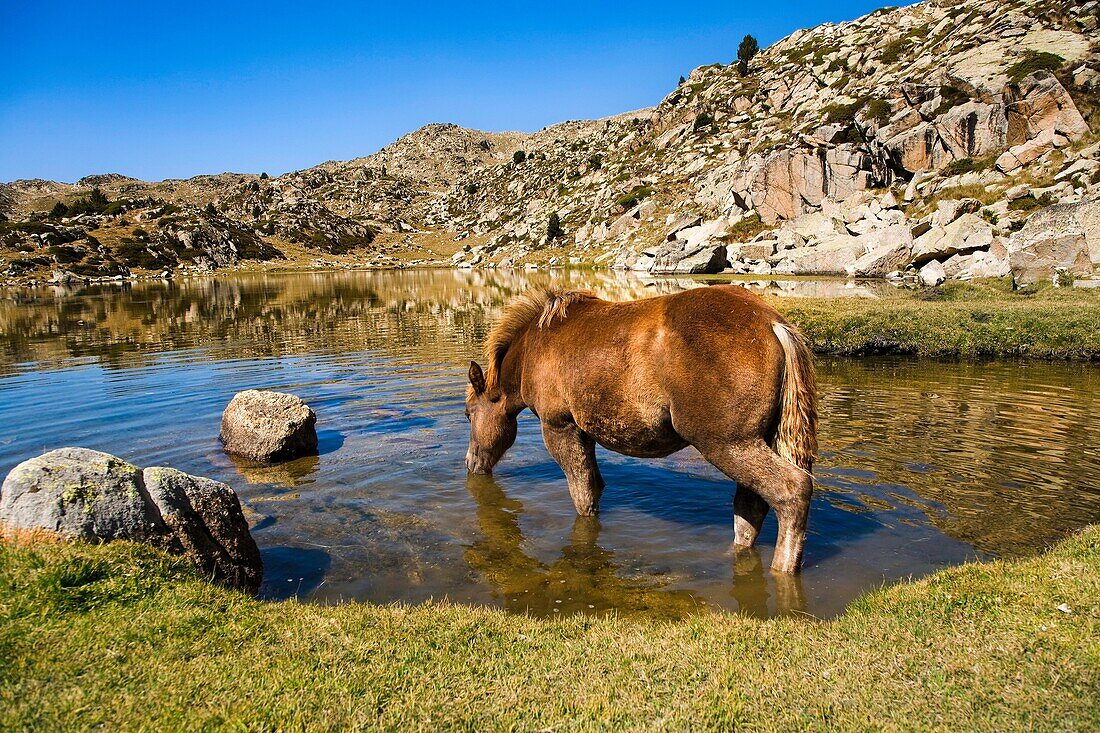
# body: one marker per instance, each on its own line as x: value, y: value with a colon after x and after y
x: 510, y: 376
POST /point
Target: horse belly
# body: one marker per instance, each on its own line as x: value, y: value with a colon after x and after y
x: 639, y: 433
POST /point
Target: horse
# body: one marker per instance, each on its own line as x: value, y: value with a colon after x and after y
x: 716, y: 368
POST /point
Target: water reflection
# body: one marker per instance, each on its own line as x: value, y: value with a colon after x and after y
x: 583, y: 578
x: 924, y: 464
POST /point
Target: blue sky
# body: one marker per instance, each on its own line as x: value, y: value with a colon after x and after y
x: 157, y: 90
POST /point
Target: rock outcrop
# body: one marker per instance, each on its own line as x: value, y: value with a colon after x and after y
x: 268, y: 426
x: 83, y: 494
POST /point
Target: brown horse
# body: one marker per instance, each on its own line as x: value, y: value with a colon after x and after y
x: 715, y: 368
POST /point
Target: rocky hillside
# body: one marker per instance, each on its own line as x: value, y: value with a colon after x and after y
x: 941, y: 140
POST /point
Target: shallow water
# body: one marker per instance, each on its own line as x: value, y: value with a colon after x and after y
x: 924, y: 464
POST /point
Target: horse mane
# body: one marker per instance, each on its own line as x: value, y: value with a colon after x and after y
x: 540, y: 308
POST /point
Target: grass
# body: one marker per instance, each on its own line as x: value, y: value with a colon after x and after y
x: 957, y: 320
x: 122, y: 637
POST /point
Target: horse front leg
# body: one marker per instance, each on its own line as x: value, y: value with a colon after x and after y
x: 575, y: 452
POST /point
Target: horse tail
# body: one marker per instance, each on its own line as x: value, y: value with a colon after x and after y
x: 796, y: 436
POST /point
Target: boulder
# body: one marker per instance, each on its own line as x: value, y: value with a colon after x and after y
x: 207, y: 525
x: 79, y: 493
x: 1020, y: 155
x: 886, y: 250
x: 968, y: 233
x: 268, y: 426
x: 828, y: 257
x: 932, y: 274
x: 681, y: 258
x: 83, y: 494
x: 1063, y: 237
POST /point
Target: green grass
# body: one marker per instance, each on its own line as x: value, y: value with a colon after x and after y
x: 122, y: 637
x: 957, y: 320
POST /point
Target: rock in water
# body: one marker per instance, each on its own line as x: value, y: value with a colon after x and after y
x: 208, y: 526
x: 84, y: 494
x: 268, y: 426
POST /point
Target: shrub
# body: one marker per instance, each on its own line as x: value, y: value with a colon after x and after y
x: 518, y: 157
x: 844, y: 113
x: 1034, y: 61
x: 471, y: 188
x: 94, y: 203
x: 636, y: 194
x: 879, y: 110
x: 682, y: 80
x: 59, y: 211
x: 894, y: 49
x: 263, y: 176
x: 702, y: 120
x: 1030, y: 203
x: 553, y: 227
x: 595, y: 162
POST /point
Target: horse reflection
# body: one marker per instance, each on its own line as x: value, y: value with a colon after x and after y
x: 583, y: 580
x: 750, y: 588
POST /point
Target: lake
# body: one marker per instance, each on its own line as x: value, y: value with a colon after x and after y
x: 924, y: 464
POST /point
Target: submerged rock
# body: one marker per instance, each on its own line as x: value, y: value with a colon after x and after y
x: 83, y: 494
x: 268, y: 426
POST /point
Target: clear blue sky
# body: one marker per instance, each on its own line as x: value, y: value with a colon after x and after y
x: 156, y: 90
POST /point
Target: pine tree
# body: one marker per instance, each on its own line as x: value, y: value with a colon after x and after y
x: 748, y: 48
x: 553, y: 227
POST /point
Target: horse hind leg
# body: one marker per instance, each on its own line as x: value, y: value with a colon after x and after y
x: 575, y: 452
x: 749, y: 511
x: 779, y: 483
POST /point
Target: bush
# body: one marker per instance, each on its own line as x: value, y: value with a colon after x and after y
x: 471, y: 188
x: 518, y: 157
x: 844, y: 113
x: 263, y: 176
x: 636, y: 194
x: 1034, y: 61
x: 59, y: 211
x: 894, y: 49
x: 702, y: 120
x: 553, y: 227
x: 595, y: 162
x: 94, y: 203
x: 879, y: 110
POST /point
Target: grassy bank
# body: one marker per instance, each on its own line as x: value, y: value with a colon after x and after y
x: 121, y: 637
x: 956, y: 320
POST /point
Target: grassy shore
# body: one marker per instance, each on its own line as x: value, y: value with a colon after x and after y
x: 955, y: 320
x: 121, y: 637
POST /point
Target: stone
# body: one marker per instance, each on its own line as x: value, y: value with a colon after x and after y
x: 966, y: 234
x: 681, y: 222
x: 828, y: 257
x: 932, y: 274
x: 680, y: 258
x: 82, y: 494
x: 268, y: 426
x: 79, y: 493
x: 1062, y: 237
x: 1024, y: 153
x: 886, y: 250
x: 208, y: 526
x: 751, y: 251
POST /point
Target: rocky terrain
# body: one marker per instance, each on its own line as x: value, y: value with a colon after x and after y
x: 941, y: 140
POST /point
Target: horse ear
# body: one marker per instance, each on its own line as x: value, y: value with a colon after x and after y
x: 477, y: 378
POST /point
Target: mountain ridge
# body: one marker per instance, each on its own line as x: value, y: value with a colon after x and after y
x: 892, y: 112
